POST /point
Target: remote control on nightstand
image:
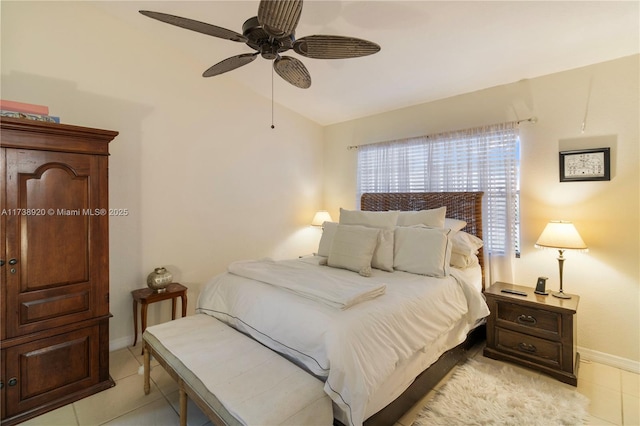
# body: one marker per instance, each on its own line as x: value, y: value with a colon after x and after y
x: 516, y: 292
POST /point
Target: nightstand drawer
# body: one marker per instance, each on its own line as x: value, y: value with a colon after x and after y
x: 530, y: 318
x: 538, y: 350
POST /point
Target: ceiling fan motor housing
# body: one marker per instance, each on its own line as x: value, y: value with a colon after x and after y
x: 260, y: 40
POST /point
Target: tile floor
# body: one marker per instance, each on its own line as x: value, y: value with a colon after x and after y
x: 614, y: 395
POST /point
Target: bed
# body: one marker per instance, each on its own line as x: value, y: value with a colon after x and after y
x: 378, y: 337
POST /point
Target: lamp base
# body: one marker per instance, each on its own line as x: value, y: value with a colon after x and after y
x: 561, y: 295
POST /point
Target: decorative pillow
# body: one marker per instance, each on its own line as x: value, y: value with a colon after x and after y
x: 432, y: 217
x: 461, y: 261
x: 383, y: 254
x: 328, y: 231
x: 386, y: 220
x: 466, y: 244
x: 353, y: 248
x: 424, y: 251
x: 454, y: 224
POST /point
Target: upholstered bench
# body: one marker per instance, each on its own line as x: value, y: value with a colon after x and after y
x: 233, y: 379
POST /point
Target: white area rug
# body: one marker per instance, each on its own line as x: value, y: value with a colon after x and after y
x: 480, y: 393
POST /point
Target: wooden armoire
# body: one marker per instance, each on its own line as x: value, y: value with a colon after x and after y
x: 54, y: 273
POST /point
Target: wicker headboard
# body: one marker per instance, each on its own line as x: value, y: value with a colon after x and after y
x: 465, y: 206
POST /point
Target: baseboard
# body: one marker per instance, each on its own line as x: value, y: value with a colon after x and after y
x: 120, y: 343
x: 608, y: 359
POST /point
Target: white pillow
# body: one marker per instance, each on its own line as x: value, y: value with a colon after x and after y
x: 386, y: 220
x: 432, y: 217
x: 466, y: 244
x: 461, y: 261
x: 454, y: 224
x: 353, y: 248
x: 424, y: 251
x: 382, y: 255
x: 328, y: 231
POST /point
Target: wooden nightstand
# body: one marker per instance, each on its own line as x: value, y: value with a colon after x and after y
x: 536, y: 331
x: 146, y: 296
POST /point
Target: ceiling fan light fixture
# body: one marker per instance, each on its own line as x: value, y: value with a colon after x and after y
x: 269, y: 51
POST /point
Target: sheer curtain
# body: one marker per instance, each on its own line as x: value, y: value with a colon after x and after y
x: 479, y: 159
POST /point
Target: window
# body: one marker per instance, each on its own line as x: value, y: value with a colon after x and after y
x: 480, y: 159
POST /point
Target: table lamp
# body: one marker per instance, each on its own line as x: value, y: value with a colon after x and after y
x: 321, y: 217
x: 563, y: 236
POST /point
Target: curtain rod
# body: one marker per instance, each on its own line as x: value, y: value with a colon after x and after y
x: 531, y: 120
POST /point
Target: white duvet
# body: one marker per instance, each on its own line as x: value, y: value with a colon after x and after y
x: 354, y: 349
x: 321, y: 286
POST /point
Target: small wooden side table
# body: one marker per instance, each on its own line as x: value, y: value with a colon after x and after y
x: 146, y: 296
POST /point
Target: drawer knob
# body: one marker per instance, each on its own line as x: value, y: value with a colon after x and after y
x: 525, y: 347
x: 526, y: 320
x: 13, y: 381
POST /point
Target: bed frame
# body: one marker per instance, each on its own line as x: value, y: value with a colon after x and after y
x: 465, y: 206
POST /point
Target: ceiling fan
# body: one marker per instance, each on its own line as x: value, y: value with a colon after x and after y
x: 272, y: 33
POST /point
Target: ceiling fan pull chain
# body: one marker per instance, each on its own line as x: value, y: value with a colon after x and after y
x: 272, y: 126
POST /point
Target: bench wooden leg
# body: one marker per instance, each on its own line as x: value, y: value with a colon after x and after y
x: 183, y: 405
x: 147, y: 367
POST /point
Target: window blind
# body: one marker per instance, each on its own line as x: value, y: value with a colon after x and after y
x: 479, y: 159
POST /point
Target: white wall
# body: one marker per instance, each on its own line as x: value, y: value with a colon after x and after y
x: 607, y: 214
x: 204, y: 177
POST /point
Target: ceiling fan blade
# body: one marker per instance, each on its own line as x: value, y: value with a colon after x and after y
x: 279, y: 18
x: 334, y: 47
x: 293, y: 71
x: 230, y: 64
x: 197, y: 26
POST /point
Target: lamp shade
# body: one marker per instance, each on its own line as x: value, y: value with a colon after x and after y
x: 561, y: 235
x: 321, y: 217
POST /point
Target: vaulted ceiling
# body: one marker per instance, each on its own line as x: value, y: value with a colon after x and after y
x: 429, y: 49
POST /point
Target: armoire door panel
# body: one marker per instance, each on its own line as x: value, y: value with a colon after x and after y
x: 55, y: 239
x: 54, y: 303
x: 51, y: 368
x: 44, y: 309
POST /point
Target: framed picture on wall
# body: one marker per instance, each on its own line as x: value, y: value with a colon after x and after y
x: 585, y: 165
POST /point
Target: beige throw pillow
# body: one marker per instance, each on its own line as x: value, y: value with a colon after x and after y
x: 328, y: 231
x: 423, y: 251
x: 353, y: 248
